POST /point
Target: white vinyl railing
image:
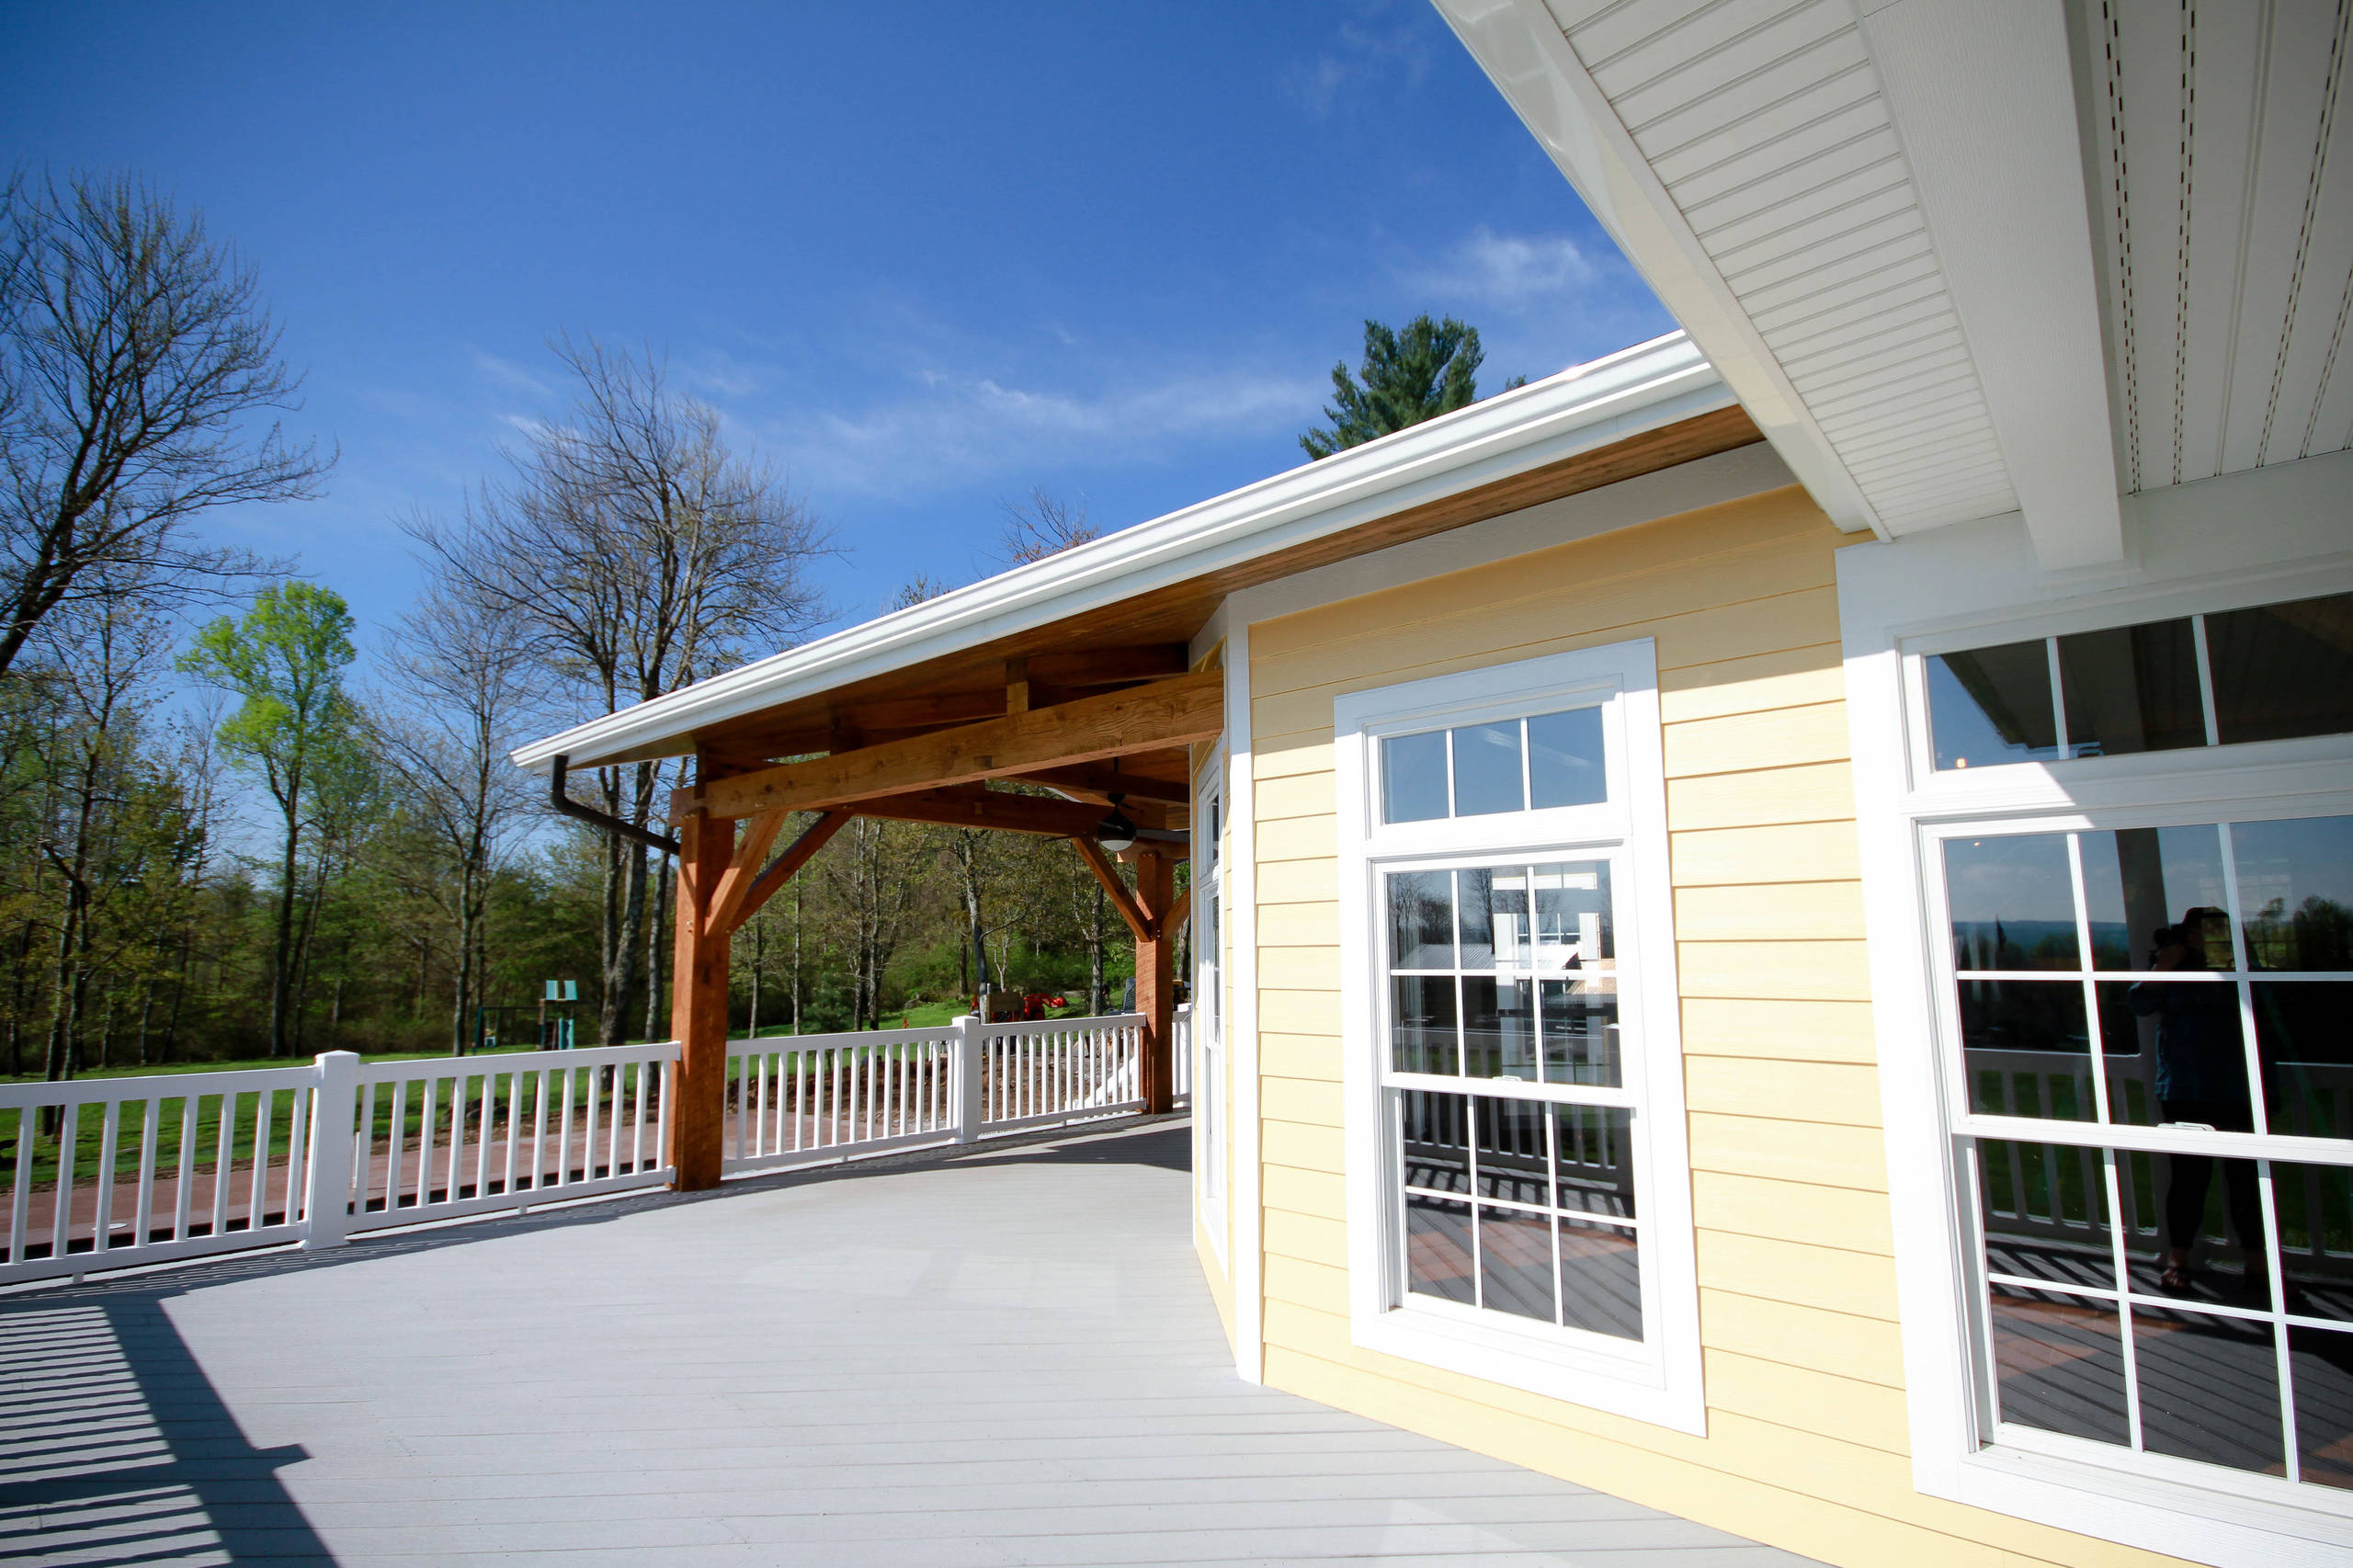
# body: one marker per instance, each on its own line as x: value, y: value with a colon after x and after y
x: 804, y: 1099
x: 1042, y: 1073
x: 467, y: 1135
x: 214, y: 1163
x: 170, y: 1167
x: 159, y: 1168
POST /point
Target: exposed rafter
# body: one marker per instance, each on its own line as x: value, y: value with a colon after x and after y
x: 1164, y: 714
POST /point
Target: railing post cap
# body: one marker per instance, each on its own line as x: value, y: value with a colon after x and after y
x: 323, y: 1057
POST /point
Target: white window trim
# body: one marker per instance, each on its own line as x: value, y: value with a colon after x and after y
x: 1212, y: 1105
x: 1660, y: 1380
x: 1973, y: 585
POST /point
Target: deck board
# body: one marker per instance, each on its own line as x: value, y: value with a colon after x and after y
x: 987, y: 1359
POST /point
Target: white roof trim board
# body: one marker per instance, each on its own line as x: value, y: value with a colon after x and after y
x: 1587, y: 407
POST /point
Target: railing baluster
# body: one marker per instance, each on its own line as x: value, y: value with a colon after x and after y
x: 102, y: 1215
x: 540, y: 1129
x: 224, y: 1162
x: 514, y: 1129
x: 20, y: 1201
x: 185, y: 1187
x: 298, y: 1133
x: 564, y: 1133
x: 67, y: 1133
x: 257, y: 1190
x: 485, y: 1124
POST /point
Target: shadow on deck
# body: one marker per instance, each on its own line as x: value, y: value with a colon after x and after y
x: 994, y: 1355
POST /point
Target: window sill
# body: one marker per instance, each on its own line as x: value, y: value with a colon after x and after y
x: 2168, y: 1513
x: 1535, y: 1359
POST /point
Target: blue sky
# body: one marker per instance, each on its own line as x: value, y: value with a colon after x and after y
x: 923, y: 258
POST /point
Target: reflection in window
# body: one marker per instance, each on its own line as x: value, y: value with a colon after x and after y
x: 2281, y: 671
x: 2131, y: 689
x: 2012, y: 902
x: 2010, y: 1029
x: 2138, y: 882
x: 2320, y: 1362
x: 2044, y: 1212
x: 2303, y: 1036
x: 2296, y: 888
x: 2059, y: 1364
x: 2210, y: 1387
x: 1992, y: 705
x: 1544, y: 761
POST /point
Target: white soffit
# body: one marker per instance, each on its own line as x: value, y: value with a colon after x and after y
x: 2226, y: 178
x: 1747, y: 157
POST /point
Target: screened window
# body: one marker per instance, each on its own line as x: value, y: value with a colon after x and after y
x: 2154, y: 1036
x: 2276, y: 672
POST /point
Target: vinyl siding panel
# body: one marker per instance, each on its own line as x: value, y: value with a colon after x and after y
x: 1804, y: 1369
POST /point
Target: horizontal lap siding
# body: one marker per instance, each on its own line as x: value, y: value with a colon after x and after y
x: 1798, y: 1315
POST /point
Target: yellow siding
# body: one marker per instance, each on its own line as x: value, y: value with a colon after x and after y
x: 1806, y: 1427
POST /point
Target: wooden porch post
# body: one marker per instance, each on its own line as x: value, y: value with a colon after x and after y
x: 698, y: 1004
x: 1156, y: 977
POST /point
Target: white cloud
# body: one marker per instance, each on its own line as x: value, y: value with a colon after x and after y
x: 514, y: 377
x: 1508, y: 270
x: 959, y: 428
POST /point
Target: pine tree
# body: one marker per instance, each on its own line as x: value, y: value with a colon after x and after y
x: 1407, y: 377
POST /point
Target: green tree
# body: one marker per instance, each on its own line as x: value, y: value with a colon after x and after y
x: 294, y: 728
x: 1407, y: 377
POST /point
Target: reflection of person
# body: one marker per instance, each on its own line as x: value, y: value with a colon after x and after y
x: 2201, y: 1079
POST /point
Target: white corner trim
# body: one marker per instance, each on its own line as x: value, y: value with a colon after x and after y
x: 1581, y: 409
x: 1520, y: 46
x: 1247, y: 1256
x: 1661, y: 1381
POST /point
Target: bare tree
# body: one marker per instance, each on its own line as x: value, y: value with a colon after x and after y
x: 1042, y: 525
x: 463, y: 690
x: 630, y: 553
x: 134, y: 353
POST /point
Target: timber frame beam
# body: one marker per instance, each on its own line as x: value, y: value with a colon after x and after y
x: 1164, y: 714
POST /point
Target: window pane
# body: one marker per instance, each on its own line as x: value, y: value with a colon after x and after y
x: 1421, y: 920
x: 2059, y: 1362
x: 2195, y: 1228
x: 2131, y: 689
x: 1512, y: 1161
x: 2012, y: 902
x: 2304, y: 1034
x: 1412, y: 777
x: 2296, y: 891
x: 1499, y: 1026
x: 2314, y: 1205
x: 2210, y: 1389
x: 1580, y: 1019
x: 1421, y: 1031
x: 1573, y: 923
x: 1601, y: 1281
x: 2045, y: 1209
x: 1565, y: 766
x: 1515, y: 1263
x: 2129, y: 1044
x: 2139, y: 880
x: 2282, y: 670
x: 1507, y: 916
x: 2320, y: 1362
x: 1486, y: 769
x: 2198, y: 1066
x: 1438, y: 1248
x: 1477, y: 908
x: 1992, y: 705
x: 1433, y: 1139
x: 1593, y: 1159
x: 2027, y: 1048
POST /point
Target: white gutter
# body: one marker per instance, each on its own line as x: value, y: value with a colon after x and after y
x: 1586, y: 406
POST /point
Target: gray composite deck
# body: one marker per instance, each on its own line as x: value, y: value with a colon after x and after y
x: 1003, y: 1357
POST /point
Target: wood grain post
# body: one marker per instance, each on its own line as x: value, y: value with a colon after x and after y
x: 699, y: 1004
x: 1156, y: 978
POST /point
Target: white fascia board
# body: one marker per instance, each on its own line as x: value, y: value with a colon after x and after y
x: 1586, y: 406
x: 1984, y: 104
x: 1524, y: 53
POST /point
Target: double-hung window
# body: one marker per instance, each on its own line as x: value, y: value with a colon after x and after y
x: 2142, y: 982
x: 1518, y: 1193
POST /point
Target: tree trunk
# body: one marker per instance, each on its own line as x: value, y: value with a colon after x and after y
x: 281, y: 954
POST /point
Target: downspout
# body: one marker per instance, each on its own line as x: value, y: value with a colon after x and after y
x: 571, y: 808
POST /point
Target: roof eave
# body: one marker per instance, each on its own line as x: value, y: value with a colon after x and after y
x: 1639, y: 389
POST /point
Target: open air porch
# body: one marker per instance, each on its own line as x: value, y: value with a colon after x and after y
x: 993, y: 1355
